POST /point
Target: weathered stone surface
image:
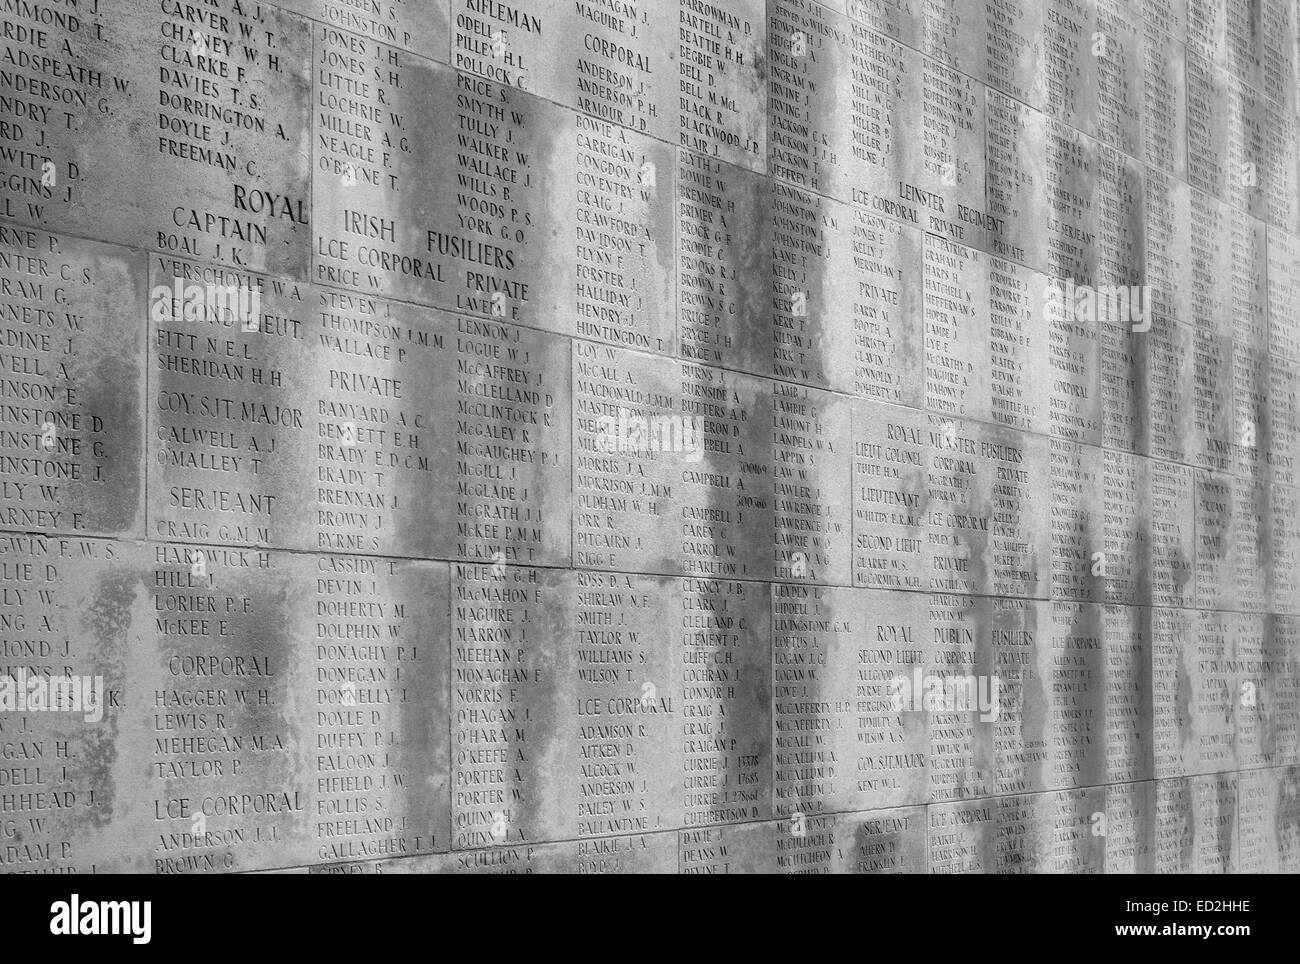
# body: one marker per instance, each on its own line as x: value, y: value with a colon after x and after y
x: 578, y: 713
x: 73, y: 387
x: 326, y: 419
x: 771, y: 436
x: 162, y: 129
x: 253, y: 709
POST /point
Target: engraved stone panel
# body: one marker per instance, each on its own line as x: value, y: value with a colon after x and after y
x: 995, y: 42
x: 336, y: 394
x: 213, y: 105
x: 71, y: 606
x: 249, y: 771
x: 1195, y: 825
x: 1283, y: 293
x: 1283, y: 538
x: 845, y: 300
x: 425, y: 30
x: 483, y: 233
x: 216, y: 742
x: 878, y: 842
x: 1130, y: 827
x: 723, y: 240
x: 575, y: 718
x: 1127, y: 716
x: 763, y: 436
x: 652, y: 853
x: 1079, y: 558
x: 1268, y: 822
x: 686, y: 73
x: 1092, y: 69
x: 949, y: 506
x: 1164, y: 106
x: 73, y: 392
x: 844, y: 737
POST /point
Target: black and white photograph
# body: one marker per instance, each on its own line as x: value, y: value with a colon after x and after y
x: 649, y: 437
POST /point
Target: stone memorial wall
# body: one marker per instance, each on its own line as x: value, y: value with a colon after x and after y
x: 690, y: 436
